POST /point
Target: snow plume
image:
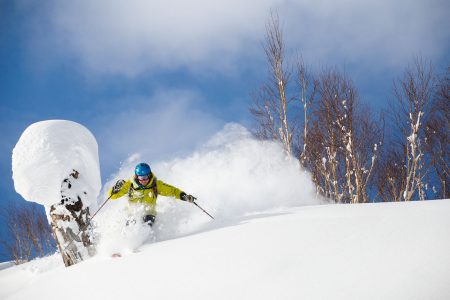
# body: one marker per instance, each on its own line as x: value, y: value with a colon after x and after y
x: 233, y: 175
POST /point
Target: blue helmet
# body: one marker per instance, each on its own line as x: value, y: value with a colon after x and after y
x: 142, y: 169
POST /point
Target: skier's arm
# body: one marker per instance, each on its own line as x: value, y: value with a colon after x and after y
x: 121, y: 192
x: 171, y: 191
x: 167, y: 190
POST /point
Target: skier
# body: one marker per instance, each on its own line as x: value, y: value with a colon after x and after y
x: 144, y: 188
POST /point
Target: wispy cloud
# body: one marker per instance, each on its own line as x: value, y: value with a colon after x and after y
x: 167, y: 123
x: 370, y: 33
x: 130, y: 37
x: 136, y: 36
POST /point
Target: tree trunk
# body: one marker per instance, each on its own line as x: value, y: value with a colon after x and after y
x: 69, y: 222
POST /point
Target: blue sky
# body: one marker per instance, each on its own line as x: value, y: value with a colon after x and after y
x: 162, y: 76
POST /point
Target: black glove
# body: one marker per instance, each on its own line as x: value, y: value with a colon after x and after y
x: 116, y: 188
x: 186, y: 197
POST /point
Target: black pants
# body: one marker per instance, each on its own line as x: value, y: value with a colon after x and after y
x: 149, y: 219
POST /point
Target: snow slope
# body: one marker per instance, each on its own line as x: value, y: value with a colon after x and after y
x: 364, y: 251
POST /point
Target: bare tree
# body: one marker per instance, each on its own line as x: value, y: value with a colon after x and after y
x: 13, y: 244
x: 27, y: 238
x: 343, y: 141
x: 391, y: 172
x: 272, y: 104
x: 45, y: 238
x: 413, y: 94
x: 437, y: 143
x: 324, y: 143
x: 18, y: 245
x: 308, y: 89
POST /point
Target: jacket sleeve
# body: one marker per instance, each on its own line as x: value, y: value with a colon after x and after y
x: 167, y: 190
x: 123, y: 190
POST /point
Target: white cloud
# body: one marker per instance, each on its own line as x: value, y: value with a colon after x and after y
x: 374, y: 33
x: 130, y: 37
x: 135, y: 36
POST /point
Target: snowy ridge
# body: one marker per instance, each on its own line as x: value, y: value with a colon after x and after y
x: 364, y: 251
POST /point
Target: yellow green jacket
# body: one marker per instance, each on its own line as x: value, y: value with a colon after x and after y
x: 147, y: 194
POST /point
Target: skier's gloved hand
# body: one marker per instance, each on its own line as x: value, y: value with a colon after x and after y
x: 186, y: 197
x: 116, y: 188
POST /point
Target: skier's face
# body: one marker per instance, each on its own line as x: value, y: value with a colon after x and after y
x: 143, y: 179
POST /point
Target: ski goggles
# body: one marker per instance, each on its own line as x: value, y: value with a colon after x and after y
x: 143, y: 178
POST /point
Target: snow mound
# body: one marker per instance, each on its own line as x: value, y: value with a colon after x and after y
x: 47, y: 152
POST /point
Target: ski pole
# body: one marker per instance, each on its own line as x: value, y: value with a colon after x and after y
x: 87, y: 223
x: 203, y: 210
x: 99, y: 209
